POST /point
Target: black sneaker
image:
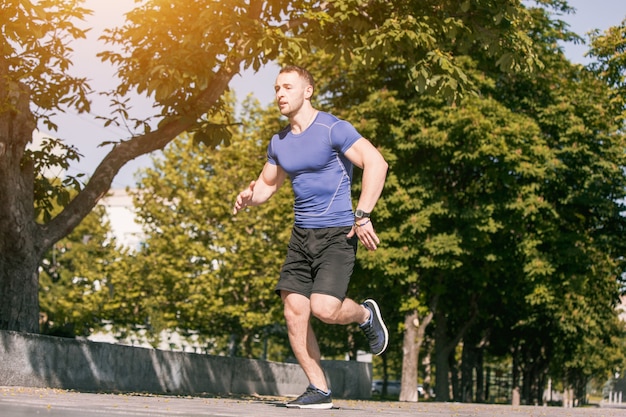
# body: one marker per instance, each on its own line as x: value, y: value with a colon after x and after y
x: 312, y: 398
x: 375, y: 328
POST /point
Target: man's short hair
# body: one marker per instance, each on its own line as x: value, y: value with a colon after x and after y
x: 301, y: 72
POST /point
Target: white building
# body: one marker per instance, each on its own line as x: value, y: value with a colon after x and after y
x: 121, y: 215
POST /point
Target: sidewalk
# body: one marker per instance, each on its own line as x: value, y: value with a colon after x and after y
x: 22, y: 402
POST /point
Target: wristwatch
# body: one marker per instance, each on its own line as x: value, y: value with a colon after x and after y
x: 360, y: 214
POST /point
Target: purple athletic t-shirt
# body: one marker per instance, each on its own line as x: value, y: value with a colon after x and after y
x: 320, y: 174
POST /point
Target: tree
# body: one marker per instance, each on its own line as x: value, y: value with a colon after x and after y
x: 75, y: 276
x: 182, y: 54
x: 609, y: 51
x: 580, y: 241
x: 497, y: 210
x: 202, y: 270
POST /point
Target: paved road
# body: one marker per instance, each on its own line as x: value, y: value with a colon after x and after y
x: 27, y: 402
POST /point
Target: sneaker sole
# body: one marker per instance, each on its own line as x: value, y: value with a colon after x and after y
x: 324, y: 406
x: 376, y: 310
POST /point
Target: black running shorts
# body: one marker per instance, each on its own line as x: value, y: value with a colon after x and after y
x: 318, y: 261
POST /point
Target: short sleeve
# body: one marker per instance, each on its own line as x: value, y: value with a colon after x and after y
x: 343, y: 135
x: 271, y: 155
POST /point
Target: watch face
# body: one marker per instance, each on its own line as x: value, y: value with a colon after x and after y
x: 360, y: 213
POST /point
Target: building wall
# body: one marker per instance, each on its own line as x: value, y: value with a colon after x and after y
x: 121, y: 215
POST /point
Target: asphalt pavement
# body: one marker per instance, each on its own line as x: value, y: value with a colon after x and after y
x: 27, y: 402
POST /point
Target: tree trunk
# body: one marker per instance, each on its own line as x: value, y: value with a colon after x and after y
x: 487, y: 394
x: 428, y: 373
x: 455, y: 383
x: 444, y: 347
x: 442, y: 353
x: 468, y: 364
x: 19, y: 254
x: 515, y: 382
x: 410, y: 358
x: 480, y: 373
x: 19, y: 284
x: 414, y: 331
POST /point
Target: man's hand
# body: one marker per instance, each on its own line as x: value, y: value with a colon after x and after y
x: 244, y: 198
x: 364, y: 229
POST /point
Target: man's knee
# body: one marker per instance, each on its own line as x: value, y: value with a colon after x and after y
x: 296, y: 307
x: 326, y: 308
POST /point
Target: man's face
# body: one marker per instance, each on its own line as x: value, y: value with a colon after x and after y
x: 291, y: 92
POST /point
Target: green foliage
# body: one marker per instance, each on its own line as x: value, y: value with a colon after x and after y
x: 35, y: 45
x: 175, y: 51
x: 609, y: 51
x: 74, y: 278
x: 423, y: 39
x: 35, y: 51
x: 202, y: 270
x: 501, y: 213
x: 212, y: 135
x: 52, y: 192
x: 176, y: 63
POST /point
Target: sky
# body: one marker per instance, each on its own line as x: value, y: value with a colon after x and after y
x: 86, y: 133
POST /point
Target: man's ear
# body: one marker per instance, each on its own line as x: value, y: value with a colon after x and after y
x: 308, y: 91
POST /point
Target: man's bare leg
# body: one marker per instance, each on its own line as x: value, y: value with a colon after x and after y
x: 332, y: 310
x: 302, y: 337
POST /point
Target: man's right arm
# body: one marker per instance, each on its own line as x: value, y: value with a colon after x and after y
x: 259, y: 191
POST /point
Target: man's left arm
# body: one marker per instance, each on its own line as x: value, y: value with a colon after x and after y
x: 364, y: 155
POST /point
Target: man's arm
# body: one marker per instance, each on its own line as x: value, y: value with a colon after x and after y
x: 259, y: 191
x: 364, y: 155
